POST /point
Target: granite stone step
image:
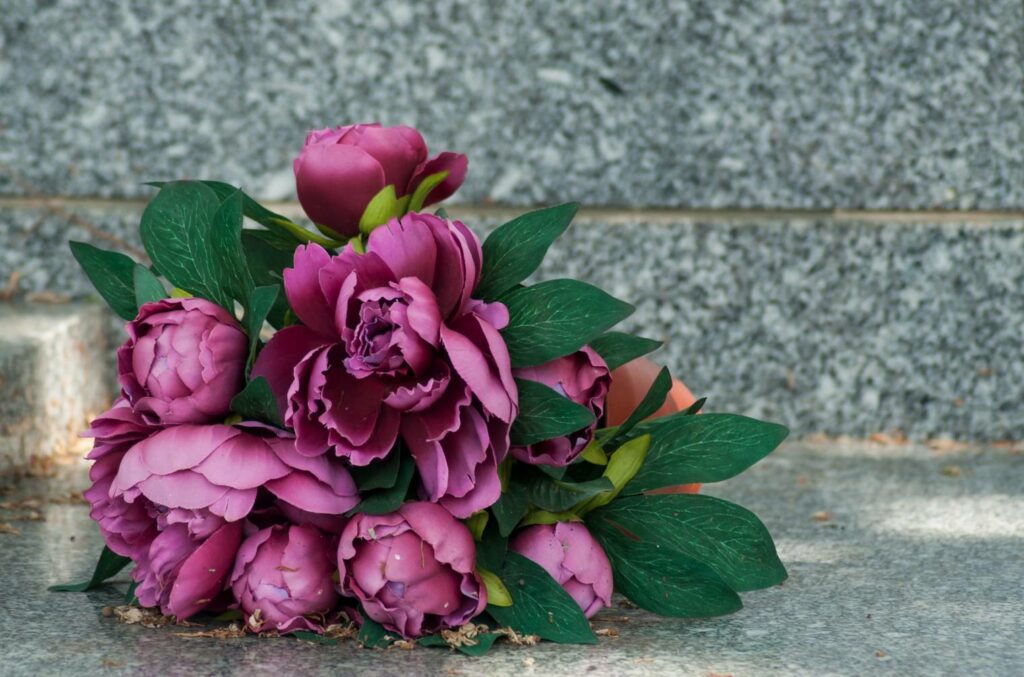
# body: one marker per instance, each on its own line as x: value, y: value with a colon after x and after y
x: 901, y: 561
x: 56, y: 371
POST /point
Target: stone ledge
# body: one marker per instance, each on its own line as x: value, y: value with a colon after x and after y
x: 56, y: 371
x: 836, y: 326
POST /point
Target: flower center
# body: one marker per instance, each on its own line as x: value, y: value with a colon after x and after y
x: 372, y: 345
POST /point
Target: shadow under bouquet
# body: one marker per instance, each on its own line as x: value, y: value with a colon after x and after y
x: 382, y: 422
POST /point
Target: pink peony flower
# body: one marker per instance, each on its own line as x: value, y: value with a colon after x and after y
x: 282, y: 576
x: 573, y: 557
x: 413, y: 570
x: 181, y: 573
x: 582, y: 377
x: 183, y: 361
x: 177, y: 498
x: 392, y: 345
x: 340, y: 170
x: 127, y: 528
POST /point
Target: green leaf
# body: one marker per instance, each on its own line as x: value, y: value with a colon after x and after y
x: 380, y: 210
x: 266, y: 264
x: 380, y: 474
x: 663, y: 581
x: 540, y: 606
x: 497, y: 593
x: 510, y: 508
x: 545, y: 414
x: 491, y: 549
x: 129, y: 595
x: 226, y: 249
x: 617, y: 348
x: 554, y: 472
x: 515, y: 250
x: 107, y: 566
x: 727, y: 538
x: 176, y: 232
x: 112, y: 274
x: 260, y: 302
x: 594, y: 454
x: 388, y: 500
x: 423, y: 190
x: 312, y: 637
x: 706, y: 448
x: 273, y: 221
x: 556, y: 318
x: 622, y: 466
x: 548, y: 517
x: 373, y: 635
x: 695, y: 408
x: 652, y: 401
x: 147, y: 287
x: 555, y: 496
x: 256, y: 402
x: 443, y: 213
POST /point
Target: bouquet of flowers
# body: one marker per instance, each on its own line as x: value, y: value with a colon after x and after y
x: 380, y: 421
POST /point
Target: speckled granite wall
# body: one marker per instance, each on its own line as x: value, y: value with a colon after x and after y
x: 849, y: 327
x: 829, y: 324
x: 882, y: 103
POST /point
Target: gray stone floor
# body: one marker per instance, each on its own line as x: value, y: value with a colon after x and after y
x: 902, y: 560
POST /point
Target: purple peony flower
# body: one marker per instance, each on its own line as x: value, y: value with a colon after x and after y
x: 182, y: 573
x: 583, y: 377
x: 413, y: 570
x: 127, y: 528
x: 573, y: 557
x: 393, y: 346
x: 176, y: 500
x: 340, y: 170
x: 183, y: 361
x: 282, y: 576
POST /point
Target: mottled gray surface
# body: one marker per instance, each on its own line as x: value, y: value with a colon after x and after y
x: 905, y: 104
x: 56, y: 372
x: 915, y: 572
x: 849, y: 327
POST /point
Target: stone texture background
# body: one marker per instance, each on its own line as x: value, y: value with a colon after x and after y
x: 883, y: 104
x: 662, y: 118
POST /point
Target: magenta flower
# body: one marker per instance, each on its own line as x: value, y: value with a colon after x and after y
x: 340, y: 170
x: 282, y: 576
x: 183, y: 361
x: 183, y: 574
x: 202, y: 474
x: 583, y: 377
x: 127, y: 528
x: 392, y: 345
x: 572, y: 557
x: 413, y: 570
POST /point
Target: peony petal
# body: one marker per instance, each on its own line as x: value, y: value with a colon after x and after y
x: 335, y: 183
x: 456, y: 164
x: 278, y: 359
x: 407, y: 247
x: 488, y: 374
x: 451, y: 540
x: 302, y: 286
x: 202, y: 576
x: 307, y: 493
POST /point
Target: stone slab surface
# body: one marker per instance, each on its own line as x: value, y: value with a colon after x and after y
x: 56, y: 372
x: 915, y: 570
x: 842, y: 327
x: 884, y: 104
